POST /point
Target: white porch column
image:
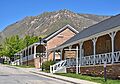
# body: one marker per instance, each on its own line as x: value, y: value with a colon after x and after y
x: 80, y: 57
x: 77, y: 64
x: 94, y: 47
x: 31, y: 50
x: 35, y: 46
x: 61, y: 50
x: 21, y: 57
x: 112, y: 35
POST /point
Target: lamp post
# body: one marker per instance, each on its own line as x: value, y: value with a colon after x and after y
x: 43, y: 50
x: 46, y: 45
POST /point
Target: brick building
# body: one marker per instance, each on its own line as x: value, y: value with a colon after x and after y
x: 41, y: 51
x: 91, y: 49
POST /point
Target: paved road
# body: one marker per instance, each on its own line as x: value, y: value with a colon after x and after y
x: 11, y: 75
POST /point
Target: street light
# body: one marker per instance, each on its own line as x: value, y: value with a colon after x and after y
x: 45, y: 41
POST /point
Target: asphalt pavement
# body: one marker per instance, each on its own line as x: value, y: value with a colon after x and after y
x: 13, y: 75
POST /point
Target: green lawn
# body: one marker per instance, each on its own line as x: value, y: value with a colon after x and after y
x: 24, y: 66
x: 89, y: 78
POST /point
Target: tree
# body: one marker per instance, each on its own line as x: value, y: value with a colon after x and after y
x: 30, y: 39
x: 14, y: 44
x: 11, y: 46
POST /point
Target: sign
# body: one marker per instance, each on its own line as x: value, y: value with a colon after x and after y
x: 70, y: 54
x: 105, y: 64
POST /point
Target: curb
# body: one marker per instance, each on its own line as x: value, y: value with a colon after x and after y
x: 54, y: 77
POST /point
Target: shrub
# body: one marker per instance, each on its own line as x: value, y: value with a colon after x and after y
x: 46, y: 65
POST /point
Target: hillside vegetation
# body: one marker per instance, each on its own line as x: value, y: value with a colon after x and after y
x: 49, y: 22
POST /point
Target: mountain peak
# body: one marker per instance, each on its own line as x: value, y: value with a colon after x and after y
x: 64, y: 10
x: 49, y: 22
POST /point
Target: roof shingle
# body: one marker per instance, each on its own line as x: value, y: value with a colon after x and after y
x: 107, y: 24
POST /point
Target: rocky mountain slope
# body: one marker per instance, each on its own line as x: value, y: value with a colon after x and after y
x: 49, y: 22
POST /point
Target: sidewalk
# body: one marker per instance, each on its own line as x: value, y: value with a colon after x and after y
x: 67, y: 79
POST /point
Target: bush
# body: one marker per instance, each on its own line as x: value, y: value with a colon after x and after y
x: 46, y: 65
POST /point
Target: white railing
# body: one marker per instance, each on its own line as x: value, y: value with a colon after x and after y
x: 16, y: 62
x: 54, y: 68
x: 71, y: 62
x: 101, y: 58
x: 41, y: 54
x: 117, y: 57
x: 88, y: 60
x: 30, y: 57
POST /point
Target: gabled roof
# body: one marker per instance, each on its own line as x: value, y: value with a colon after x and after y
x: 53, y: 35
x: 58, y: 31
x: 107, y: 24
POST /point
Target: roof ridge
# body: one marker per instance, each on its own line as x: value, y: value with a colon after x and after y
x: 97, y: 28
x: 59, y: 30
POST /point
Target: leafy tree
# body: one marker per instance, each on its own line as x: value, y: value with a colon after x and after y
x: 14, y: 44
x: 11, y: 46
x: 28, y: 40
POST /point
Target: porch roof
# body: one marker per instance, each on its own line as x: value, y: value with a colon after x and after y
x: 107, y: 24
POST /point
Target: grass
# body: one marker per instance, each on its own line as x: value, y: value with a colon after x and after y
x: 89, y: 78
x: 47, y: 71
x: 24, y: 66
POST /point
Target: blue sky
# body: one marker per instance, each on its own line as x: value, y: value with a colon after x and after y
x: 14, y: 10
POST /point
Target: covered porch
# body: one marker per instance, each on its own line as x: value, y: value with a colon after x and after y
x: 94, y: 51
x: 28, y: 56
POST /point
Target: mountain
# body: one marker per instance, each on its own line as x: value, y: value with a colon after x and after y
x: 49, y: 22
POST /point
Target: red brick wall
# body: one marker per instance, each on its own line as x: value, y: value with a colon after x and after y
x: 113, y: 70
x: 30, y: 62
x: 59, y: 39
x: 37, y: 62
x: 71, y: 70
x: 50, y: 56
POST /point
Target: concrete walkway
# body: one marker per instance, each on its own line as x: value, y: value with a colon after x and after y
x: 67, y: 79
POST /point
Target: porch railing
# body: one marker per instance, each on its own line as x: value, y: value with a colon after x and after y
x: 30, y: 57
x: 16, y: 62
x: 71, y: 62
x: 101, y: 58
x: 54, y: 68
